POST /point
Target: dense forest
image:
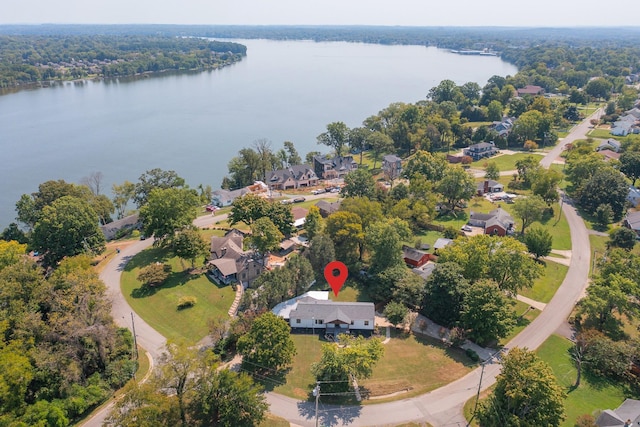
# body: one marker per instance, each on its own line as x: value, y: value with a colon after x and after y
x: 28, y: 59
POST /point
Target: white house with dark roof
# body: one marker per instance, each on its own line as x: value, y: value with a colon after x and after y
x: 609, y: 144
x: 632, y: 221
x: 480, y: 150
x: 333, y: 317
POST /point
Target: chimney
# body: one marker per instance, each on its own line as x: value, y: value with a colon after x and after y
x: 486, y: 186
x: 223, y: 251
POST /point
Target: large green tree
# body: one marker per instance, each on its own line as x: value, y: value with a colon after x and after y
x: 630, y: 165
x: 168, y: 210
x: 526, y: 394
x: 265, y: 236
x: 188, y: 244
x: 539, y: 242
x: 321, y: 252
x: 605, y: 186
x: 502, y: 259
x: 456, y: 185
x: 155, y: 179
x: 529, y: 209
x: 336, y: 137
x: 359, y: 183
x: 268, y: 346
x: 345, y: 230
x: 444, y: 294
x: 68, y: 227
x: 384, y: 241
x: 487, y: 313
x: 339, y: 365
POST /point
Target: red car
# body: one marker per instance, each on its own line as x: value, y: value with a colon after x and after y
x: 211, y: 208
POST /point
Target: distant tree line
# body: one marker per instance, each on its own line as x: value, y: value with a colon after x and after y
x: 27, y: 59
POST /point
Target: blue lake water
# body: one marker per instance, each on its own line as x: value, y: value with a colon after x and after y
x: 194, y: 123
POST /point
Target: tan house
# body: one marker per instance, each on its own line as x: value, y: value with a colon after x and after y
x: 295, y: 176
x: 229, y: 263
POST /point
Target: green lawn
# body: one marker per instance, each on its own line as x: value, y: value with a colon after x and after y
x: 505, y: 162
x: 396, y: 371
x: 527, y: 316
x: 274, y: 421
x: 545, y: 287
x: 591, y: 395
x: 158, y: 306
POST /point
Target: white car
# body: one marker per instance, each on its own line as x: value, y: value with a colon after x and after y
x: 466, y: 228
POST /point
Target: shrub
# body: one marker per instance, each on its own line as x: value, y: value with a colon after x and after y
x: 186, y: 302
x: 154, y: 274
x: 472, y: 355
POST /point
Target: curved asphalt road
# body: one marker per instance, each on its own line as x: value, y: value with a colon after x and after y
x: 441, y: 407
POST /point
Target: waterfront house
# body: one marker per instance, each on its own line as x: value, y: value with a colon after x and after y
x: 332, y: 168
x: 229, y: 263
x: 293, y: 177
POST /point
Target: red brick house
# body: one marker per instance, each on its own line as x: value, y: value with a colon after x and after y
x: 414, y: 257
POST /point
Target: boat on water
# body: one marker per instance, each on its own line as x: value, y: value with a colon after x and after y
x: 484, y: 52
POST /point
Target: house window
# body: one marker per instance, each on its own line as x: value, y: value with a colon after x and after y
x: 244, y: 275
x: 297, y: 320
x: 318, y: 321
x: 352, y: 322
x: 366, y: 323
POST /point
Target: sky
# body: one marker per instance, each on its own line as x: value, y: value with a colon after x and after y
x: 540, y: 13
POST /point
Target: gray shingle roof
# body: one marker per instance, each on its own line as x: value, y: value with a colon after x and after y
x: 330, y: 311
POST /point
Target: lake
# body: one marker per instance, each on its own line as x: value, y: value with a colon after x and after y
x: 194, y: 123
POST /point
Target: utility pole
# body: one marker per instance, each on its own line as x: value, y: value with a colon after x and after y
x: 135, y: 340
x: 316, y: 393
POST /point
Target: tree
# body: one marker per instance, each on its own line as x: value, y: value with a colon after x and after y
x: 155, y: 179
x: 604, y: 215
x: 345, y: 230
x: 142, y: 405
x: 268, y: 345
x: 368, y: 210
x: 250, y: 207
x: 13, y: 232
x: 336, y: 136
x: 603, y: 356
x: 154, y: 274
x: 502, y: 259
x: 528, y: 126
x: 396, y: 313
x: 189, y: 245
x: 492, y: 171
x: 409, y: 290
x: 456, y: 185
x: 301, y: 273
x: 444, y: 294
x: 526, y: 394
x: 539, y: 242
x: 168, y: 210
x: 427, y: 165
x: 607, y: 299
x: 11, y: 252
x: 293, y: 158
x: 244, y: 169
x: 545, y: 183
x: 176, y: 366
x: 528, y: 169
x: 67, y: 227
x: 495, y: 111
x: 379, y: 143
x: 358, y: 183
x: 267, y: 160
x: 358, y: 140
x: 630, y: 165
x: 265, y: 236
x: 446, y: 90
x: 354, y: 358
x: 122, y: 195
x: 599, y: 88
x: 622, y: 237
x: 227, y: 399
x: 321, y: 252
x: 384, y: 240
x: 487, y: 314
x: 529, y: 209
x: 605, y: 186
x: 313, y: 223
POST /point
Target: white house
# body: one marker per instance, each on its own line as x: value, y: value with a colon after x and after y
x: 633, y: 197
x: 333, y: 317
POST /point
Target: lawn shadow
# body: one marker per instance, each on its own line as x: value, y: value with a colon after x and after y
x: 144, y: 258
x: 455, y: 353
x: 329, y: 414
x: 179, y: 278
x: 268, y: 379
x: 213, y: 282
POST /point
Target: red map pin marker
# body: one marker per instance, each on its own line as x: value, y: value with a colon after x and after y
x: 336, y: 282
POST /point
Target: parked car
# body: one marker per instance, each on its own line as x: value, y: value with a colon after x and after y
x: 211, y: 208
x: 319, y: 191
x: 286, y: 201
x: 299, y: 200
x: 466, y: 228
x: 335, y: 190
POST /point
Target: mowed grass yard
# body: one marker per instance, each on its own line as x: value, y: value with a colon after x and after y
x: 505, y: 162
x: 158, y: 306
x: 409, y: 362
x: 545, y: 287
x: 592, y: 395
